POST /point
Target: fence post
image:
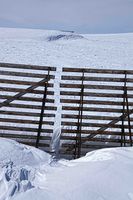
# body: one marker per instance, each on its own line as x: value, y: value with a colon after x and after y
x: 77, y: 152
x: 128, y: 113
x: 42, y: 111
x: 123, y: 139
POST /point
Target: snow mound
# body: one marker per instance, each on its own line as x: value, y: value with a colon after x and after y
x: 101, y: 175
x: 19, y: 167
x: 64, y: 37
x: 29, y: 173
x: 19, y: 154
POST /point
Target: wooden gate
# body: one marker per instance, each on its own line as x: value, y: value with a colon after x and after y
x: 97, y: 109
x: 27, y: 108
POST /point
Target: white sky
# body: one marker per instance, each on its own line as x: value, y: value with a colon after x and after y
x: 84, y: 16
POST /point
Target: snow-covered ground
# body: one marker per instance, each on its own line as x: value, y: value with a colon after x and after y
x: 58, y: 48
x: 28, y: 173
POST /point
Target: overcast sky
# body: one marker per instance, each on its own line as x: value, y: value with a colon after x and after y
x: 83, y: 16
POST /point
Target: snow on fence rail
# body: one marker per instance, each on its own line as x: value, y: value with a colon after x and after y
x: 97, y: 109
x: 27, y: 108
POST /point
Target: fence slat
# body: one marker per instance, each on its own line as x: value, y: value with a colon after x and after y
x: 102, y: 107
x: 22, y: 88
x: 31, y: 67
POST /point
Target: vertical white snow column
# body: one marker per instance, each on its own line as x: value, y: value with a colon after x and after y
x: 55, y: 141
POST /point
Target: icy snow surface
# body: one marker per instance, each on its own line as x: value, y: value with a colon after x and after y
x: 27, y: 173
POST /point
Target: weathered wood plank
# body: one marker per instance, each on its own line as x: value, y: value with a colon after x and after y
x: 15, y: 105
x: 91, y: 117
x: 35, y: 99
x: 23, y: 136
x: 98, y: 102
x: 94, y: 109
x: 23, y: 74
x: 70, y: 132
x: 20, y: 94
x: 6, y: 89
x: 85, y: 124
x: 16, y: 82
x: 28, y: 114
x: 14, y: 128
x: 109, y: 140
x: 25, y: 121
x: 101, y: 71
x: 101, y: 79
x: 93, y: 94
x: 91, y: 86
x: 66, y: 146
x: 31, y: 67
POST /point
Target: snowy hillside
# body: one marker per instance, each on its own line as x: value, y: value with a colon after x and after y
x: 59, y: 48
x: 28, y: 173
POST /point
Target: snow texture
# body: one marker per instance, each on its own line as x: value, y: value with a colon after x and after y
x: 97, y: 51
x: 29, y: 173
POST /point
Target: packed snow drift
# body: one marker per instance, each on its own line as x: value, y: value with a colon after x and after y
x: 29, y: 173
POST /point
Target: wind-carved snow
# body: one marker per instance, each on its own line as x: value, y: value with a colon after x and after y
x: 100, y: 175
x: 95, y: 176
x: 65, y: 37
x: 20, y: 168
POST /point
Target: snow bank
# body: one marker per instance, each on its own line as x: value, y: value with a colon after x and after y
x: 19, y: 167
x: 28, y: 173
x: 19, y: 154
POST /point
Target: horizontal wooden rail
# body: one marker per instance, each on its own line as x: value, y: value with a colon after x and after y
x: 28, y: 114
x: 16, y: 82
x: 92, y: 117
x: 23, y: 89
x: 34, y: 107
x: 92, y: 94
x: 70, y: 132
x: 24, y: 136
x: 23, y: 74
x: 109, y: 140
x: 17, y: 128
x: 26, y: 121
x: 93, y: 109
x: 32, y: 99
x: 84, y: 124
x: 91, y: 86
x: 31, y: 67
x: 98, y: 102
x: 102, y: 92
x: 101, y: 79
x: 97, y: 71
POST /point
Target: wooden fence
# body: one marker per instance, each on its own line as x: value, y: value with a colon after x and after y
x: 27, y: 108
x: 97, y: 109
